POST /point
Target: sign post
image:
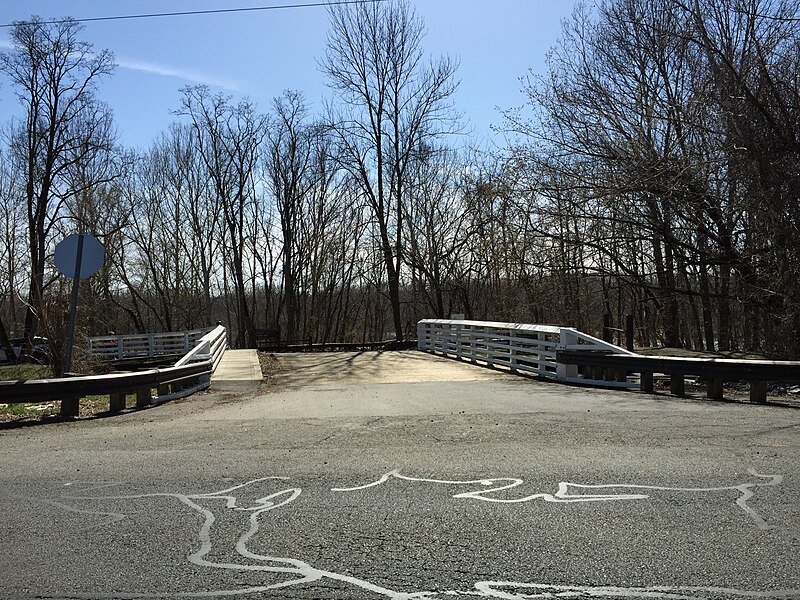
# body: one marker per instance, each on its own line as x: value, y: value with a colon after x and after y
x: 78, y: 256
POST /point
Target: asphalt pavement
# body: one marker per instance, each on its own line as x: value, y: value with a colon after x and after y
x: 449, y: 481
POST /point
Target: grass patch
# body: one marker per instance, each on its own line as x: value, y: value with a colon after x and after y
x: 30, y: 412
x: 20, y: 412
x: 13, y: 412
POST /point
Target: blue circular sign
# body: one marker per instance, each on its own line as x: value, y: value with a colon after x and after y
x: 66, y: 256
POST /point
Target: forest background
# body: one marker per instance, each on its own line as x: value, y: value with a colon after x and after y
x: 654, y: 170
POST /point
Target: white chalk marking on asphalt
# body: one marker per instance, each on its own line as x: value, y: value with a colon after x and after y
x: 506, y: 590
x: 564, y: 495
x: 303, y: 572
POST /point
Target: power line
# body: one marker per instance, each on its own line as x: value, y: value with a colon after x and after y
x: 201, y: 12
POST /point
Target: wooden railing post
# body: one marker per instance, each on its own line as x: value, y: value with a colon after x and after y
x: 758, y: 391
x: 70, y: 407
x: 143, y: 397
x: 116, y: 402
x: 646, y: 382
x: 714, y: 391
x: 676, y: 384
x: 607, y: 328
x: 512, y: 350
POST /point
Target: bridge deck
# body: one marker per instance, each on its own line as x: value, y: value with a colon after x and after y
x: 344, y: 368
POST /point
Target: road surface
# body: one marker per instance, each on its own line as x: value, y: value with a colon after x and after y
x: 449, y: 481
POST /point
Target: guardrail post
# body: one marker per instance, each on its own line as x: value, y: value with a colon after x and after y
x: 143, y: 397
x: 646, y: 382
x: 714, y: 391
x: 512, y: 349
x: 70, y: 407
x: 116, y: 402
x: 676, y: 385
x: 564, y: 371
x: 758, y: 391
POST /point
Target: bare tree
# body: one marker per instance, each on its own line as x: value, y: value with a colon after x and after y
x: 291, y: 174
x: 54, y: 75
x: 390, y: 104
x: 664, y: 146
x: 440, y: 229
x: 228, y: 139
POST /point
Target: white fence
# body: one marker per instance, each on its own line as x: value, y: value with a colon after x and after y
x: 518, y: 347
x: 118, y: 347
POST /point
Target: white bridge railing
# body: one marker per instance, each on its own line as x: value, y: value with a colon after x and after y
x: 518, y: 347
x: 210, y: 347
x: 118, y: 347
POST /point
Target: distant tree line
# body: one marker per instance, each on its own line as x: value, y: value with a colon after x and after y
x: 654, y: 171
x: 664, y: 158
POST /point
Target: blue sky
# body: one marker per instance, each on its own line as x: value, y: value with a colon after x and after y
x: 259, y: 54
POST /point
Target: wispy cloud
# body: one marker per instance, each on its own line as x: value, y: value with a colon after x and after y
x: 231, y: 85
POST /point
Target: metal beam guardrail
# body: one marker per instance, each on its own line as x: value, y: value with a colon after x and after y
x: 716, y: 371
x: 190, y: 374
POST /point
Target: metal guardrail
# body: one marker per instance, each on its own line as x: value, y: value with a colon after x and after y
x: 526, y: 348
x: 716, y: 370
x: 189, y: 375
